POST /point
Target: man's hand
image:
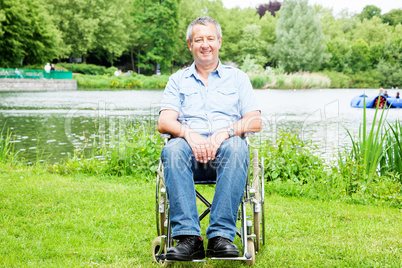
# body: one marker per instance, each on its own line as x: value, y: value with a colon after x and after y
x: 200, y: 146
x: 216, y: 140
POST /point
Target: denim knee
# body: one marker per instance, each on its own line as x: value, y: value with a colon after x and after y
x: 234, y: 150
x: 176, y: 151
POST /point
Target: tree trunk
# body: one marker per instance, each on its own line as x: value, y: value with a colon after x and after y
x: 132, y: 57
x: 84, y: 58
x: 171, y: 68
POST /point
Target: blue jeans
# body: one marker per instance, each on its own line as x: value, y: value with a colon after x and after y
x: 180, y: 169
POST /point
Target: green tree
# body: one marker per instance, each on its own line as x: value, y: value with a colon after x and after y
x: 111, y: 33
x: 74, y: 19
x: 300, y: 40
x: 331, y: 27
x: 268, y: 25
x: 156, y: 22
x: 369, y: 12
x: 372, y: 31
x: 252, y: 44
x: 2, y: 18
x: 188, y: 11
x: 359, y: 59
x: 394, y: 17
x: 339, y: 50
x: 27, y: 33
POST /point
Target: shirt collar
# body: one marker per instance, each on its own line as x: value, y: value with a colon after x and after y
x: 193, y: 71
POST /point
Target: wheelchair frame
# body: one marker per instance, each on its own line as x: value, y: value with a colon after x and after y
x: 253, y: 196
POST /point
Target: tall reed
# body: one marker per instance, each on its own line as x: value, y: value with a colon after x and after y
x: 393, y: 151
x: 6, y: 147
x: 367, y: 149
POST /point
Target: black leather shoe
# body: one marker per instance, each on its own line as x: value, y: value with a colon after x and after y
x: 221, y: 247
x: 188, y: 248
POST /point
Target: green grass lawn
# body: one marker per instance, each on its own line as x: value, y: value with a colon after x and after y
x: 99, y: 221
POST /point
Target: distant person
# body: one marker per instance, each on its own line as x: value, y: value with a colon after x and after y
x: 116, y: 73
x: 47, y: 68
x: 397, y: 95
x: 381, y: 90
x: 386, y: 94
x: 18, y: 73
x: 52, y: 68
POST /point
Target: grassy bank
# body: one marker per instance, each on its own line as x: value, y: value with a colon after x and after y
x: 129, y: 81
x: 52, y: 220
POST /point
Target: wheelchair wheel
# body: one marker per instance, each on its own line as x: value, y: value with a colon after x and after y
x: 257, y: 214
x: 156, y: 245
x: 251, y: 250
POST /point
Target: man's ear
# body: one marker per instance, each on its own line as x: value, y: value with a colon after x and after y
x: 189, y: 45
x: 220, y: 42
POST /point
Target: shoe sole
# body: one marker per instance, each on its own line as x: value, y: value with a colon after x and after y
x: 222, y: 254
x: 199, y: 255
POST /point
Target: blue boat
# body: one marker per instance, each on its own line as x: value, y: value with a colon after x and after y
x: 371, y: 102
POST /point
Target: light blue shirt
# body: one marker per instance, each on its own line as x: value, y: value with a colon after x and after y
x: 227, y: 98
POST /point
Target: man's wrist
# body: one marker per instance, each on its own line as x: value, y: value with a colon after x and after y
x: 231, y: 132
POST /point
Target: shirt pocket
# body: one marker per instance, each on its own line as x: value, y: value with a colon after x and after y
x: 226, y: 100
x: 190, y: 101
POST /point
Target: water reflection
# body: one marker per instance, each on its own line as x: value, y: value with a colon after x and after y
x: 50, y: 125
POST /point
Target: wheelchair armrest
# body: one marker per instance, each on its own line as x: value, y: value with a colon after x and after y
x: 248, y: 134
x: 165, y: 136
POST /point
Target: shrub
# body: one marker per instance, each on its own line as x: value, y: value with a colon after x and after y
x: 258, y: 80
x: 292, y: 159
x: 390, y: 75
x: 84, y: 68
x: 338, y: 80
x: 368, y: 79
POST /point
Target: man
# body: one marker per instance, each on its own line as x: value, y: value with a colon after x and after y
x: 206, y: 107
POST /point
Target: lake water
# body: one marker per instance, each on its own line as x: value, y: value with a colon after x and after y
x: 49, y: 125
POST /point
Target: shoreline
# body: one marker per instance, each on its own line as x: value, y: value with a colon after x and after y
x: 26, y: 84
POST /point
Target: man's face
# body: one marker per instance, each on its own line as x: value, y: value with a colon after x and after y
x: 205, y: 44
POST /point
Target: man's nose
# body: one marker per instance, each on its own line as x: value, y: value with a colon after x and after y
x: 205, y: 42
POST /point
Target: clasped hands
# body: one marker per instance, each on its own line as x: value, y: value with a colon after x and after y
x: 204, y: 149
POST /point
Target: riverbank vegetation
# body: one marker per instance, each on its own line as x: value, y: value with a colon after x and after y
x: 128, y: 81
x: 369, y: 171
x: 354, y: 50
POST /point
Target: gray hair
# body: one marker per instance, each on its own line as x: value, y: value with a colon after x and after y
x: 203, y: 21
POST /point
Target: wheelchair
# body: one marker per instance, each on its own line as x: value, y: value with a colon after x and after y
x: 251, y: 217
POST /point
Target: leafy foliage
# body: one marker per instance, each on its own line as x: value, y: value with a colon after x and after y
x: 369, y: 12
x: 133, y: 151
x: 151, y: 32
x: 292, y: 159
x: 394, y: 17
x: 300, y: 40
x: 157, y: 22
x: 27, y: 33
x: 98, y: 25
